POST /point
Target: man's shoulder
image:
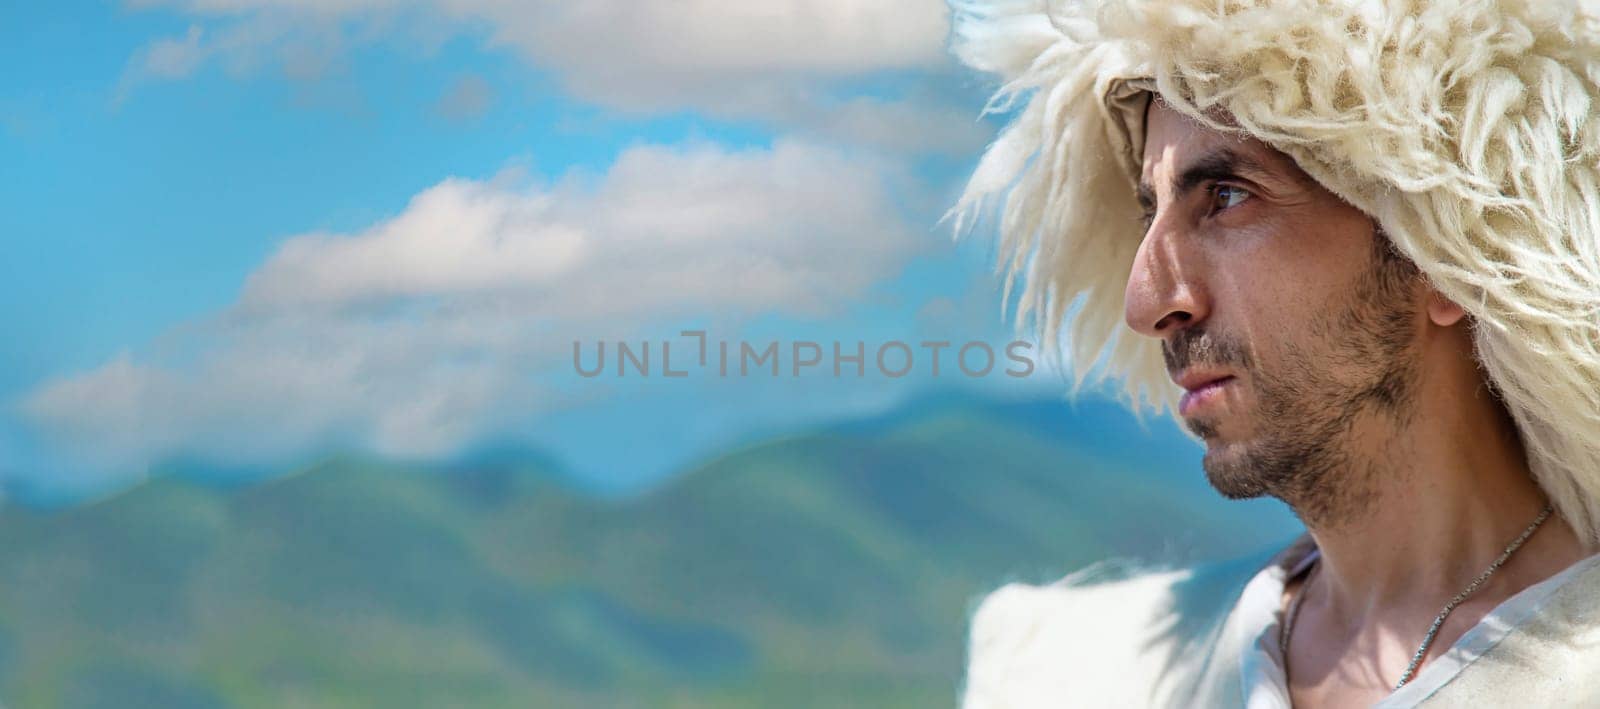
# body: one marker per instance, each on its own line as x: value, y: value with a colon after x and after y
x: 1114, y: 633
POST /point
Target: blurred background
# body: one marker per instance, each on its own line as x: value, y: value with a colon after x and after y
x: 304, y: 302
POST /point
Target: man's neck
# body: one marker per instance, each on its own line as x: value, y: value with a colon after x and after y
x: 1446, y: 495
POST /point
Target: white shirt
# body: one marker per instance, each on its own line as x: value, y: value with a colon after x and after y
x: 1206, y: 635
x: 1261, y: 672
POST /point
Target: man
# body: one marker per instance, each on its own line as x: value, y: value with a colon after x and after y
x: 1357, y: 245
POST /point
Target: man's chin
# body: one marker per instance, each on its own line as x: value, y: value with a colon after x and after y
x: 1231, y: 471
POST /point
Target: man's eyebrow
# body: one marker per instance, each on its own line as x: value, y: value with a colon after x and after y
x: 1221, y: 164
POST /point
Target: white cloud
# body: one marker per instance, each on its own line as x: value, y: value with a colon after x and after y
x: 468, y: 98
x: 648, y: 54
x: 175, y: 58
x: 787, y: 63
x: 166, y: 59
x: 682, y: 42
x: 271, y: 392
x: 460, y: 235
x: 429, y: 330
x: 900, y: 126
x: 799, y: 227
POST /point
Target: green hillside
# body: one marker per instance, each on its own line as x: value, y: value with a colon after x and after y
x: 833, y: 568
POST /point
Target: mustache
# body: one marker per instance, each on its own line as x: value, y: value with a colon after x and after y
x: 1194, y: 345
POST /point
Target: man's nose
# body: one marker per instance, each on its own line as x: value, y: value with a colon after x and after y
x: 1166, y: 291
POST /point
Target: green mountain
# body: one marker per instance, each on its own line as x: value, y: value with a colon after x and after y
x: 830, y: 568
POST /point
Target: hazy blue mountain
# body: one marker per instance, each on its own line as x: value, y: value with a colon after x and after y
x: 833, y: 567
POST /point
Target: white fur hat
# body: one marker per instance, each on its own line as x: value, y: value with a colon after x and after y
x: 1467, y: 128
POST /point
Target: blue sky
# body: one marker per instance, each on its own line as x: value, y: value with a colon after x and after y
x: 255, y: 231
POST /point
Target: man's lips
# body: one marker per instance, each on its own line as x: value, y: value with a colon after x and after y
x: 1200, y: 391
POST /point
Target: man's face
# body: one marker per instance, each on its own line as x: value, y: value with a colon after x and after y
x: 1280, y: 310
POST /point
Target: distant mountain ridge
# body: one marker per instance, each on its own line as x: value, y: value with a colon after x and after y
x: 832, y: 567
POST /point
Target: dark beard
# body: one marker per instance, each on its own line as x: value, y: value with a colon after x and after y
x: 1305, y: 417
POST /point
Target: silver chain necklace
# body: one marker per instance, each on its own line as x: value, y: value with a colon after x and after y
x: 1427, y: 640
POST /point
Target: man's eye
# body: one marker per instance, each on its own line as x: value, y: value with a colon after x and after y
x: 1225, y: 196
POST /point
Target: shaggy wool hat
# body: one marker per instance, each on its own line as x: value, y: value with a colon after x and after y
x: 1466, y: 128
